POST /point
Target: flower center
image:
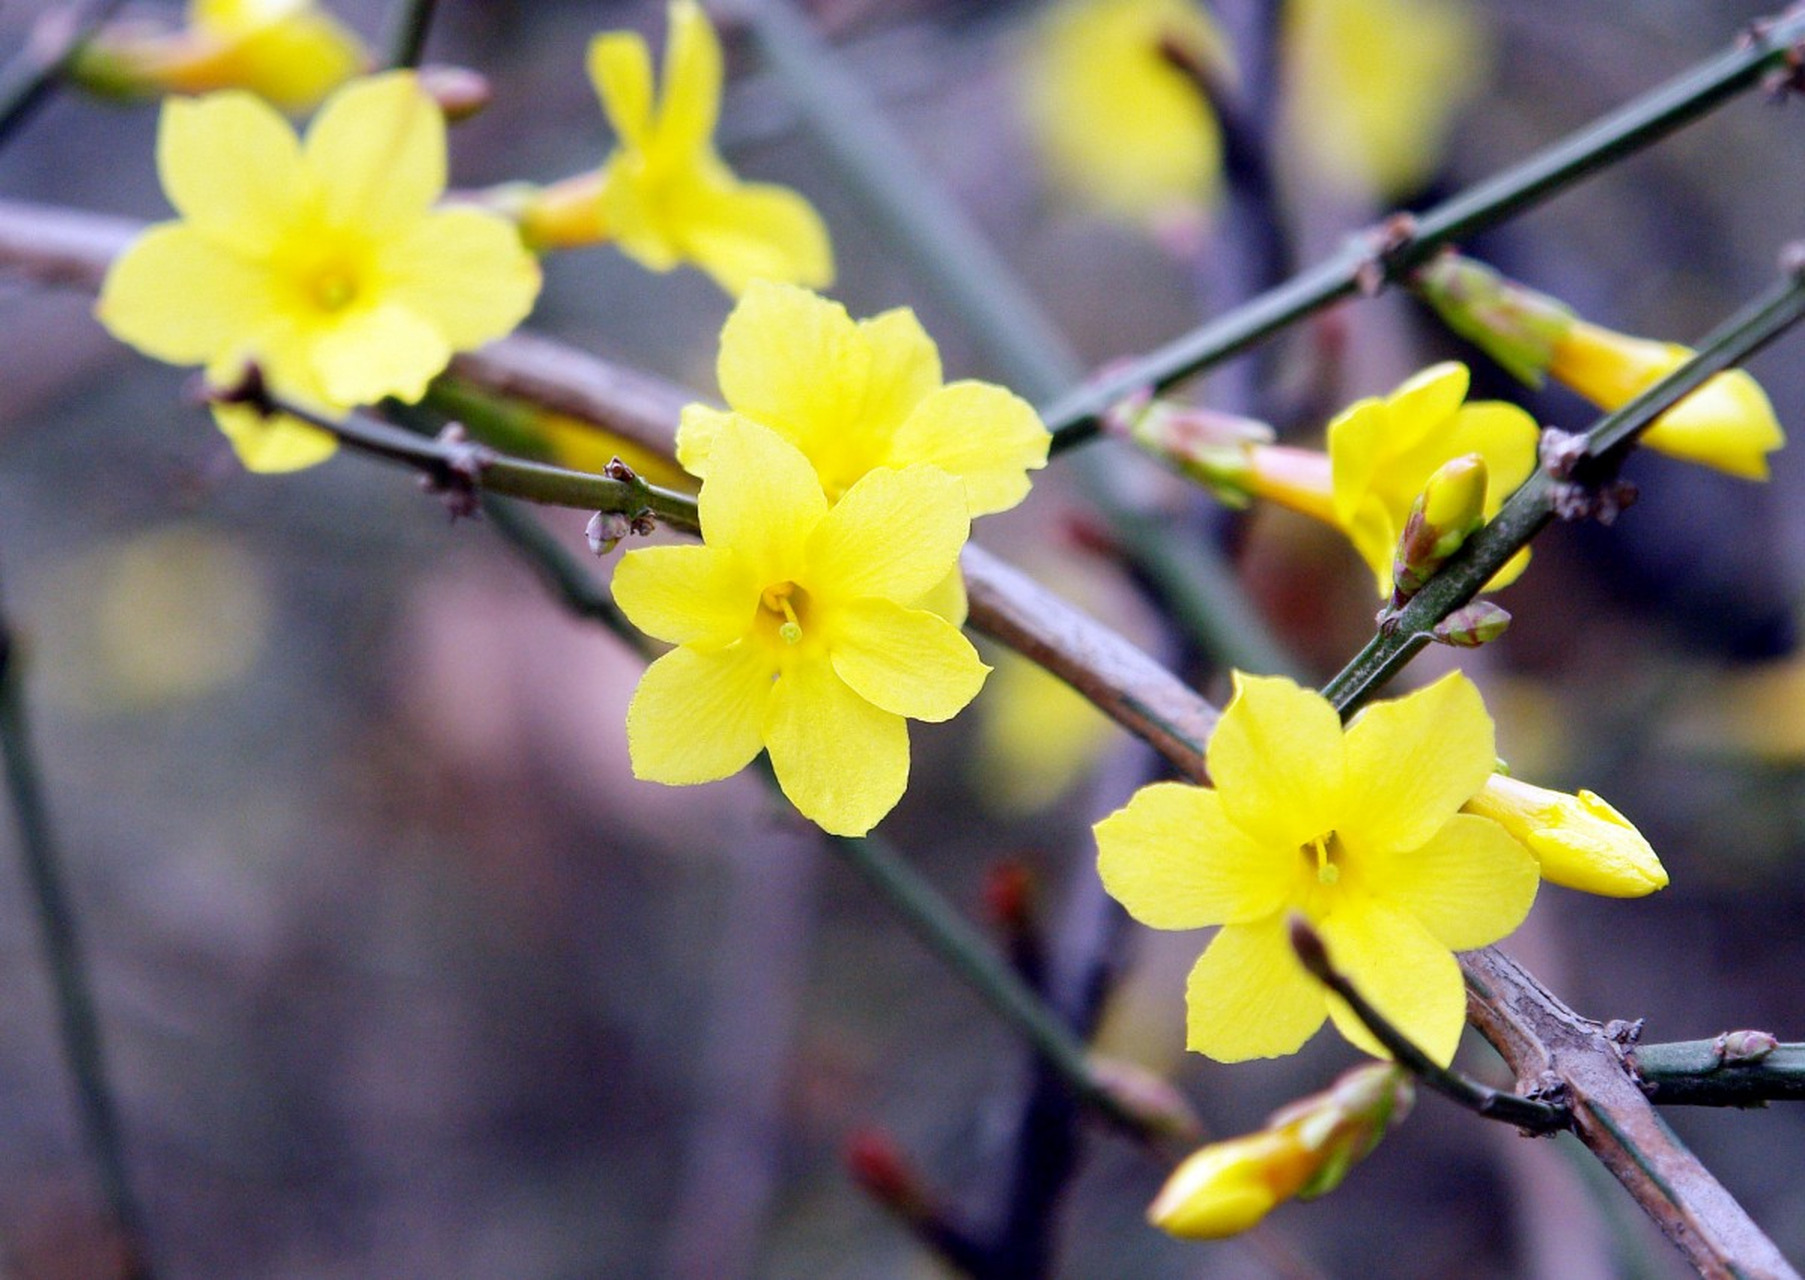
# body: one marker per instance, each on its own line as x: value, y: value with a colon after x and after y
x: 782, y: 604
x: 1324, y: 852
x: 334, y: 289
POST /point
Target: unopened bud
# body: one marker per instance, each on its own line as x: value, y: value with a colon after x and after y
x: 1472, y: 625
x: 1208, y: 446
x: 459, y: 91
x: 1150, y: 1099
x: 605, y: 530
x: 1311, y: 952
x: 1513, y: 324
x: 1580, y: 841
x: 1445, y: 514
x: 878, y: 1165
x: 1736, y: 1048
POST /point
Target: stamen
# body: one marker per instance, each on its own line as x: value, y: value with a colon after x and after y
x: 791, y: 630
x: 1326, y: 870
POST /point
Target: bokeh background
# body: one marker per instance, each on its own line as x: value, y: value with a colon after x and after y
x: 402, y: 974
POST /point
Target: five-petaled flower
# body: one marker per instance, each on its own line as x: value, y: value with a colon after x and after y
x: 1359, y: 831
x: 859, y: 396
x: 1383, y: 451
x: 796, y: 630
x: 665, y: 196
x: 324, y: 264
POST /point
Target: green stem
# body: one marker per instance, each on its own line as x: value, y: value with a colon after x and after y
x: 409, y: 40
x: 83, y: 1048
x: 562, y: 571
x: 1640, y: 123
x: 1695, y: 1073
x: 1531, y: 506
x: 28, y: 81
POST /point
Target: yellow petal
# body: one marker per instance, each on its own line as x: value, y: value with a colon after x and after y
x: 231, y: 167
x: 377, y: 153
x: 620, y: 68
x: 753, y: 231
x: 1175, y: 861
x: 1428, y: 398
x: 905, y: 369
x: 906, y: 661
x: 293, y: 55
x: 842, y: 762
x: 462, y: 270
x: 947, y: 598
x: 225, y: 299
x: 981, y: 433
x: 1227, y: 1187
x: 275, y: 444
x: 687, y: 595
x: 1469, y: 886
x: 1413, y: 761
x: 1399, y: 967
x: 1728, y: 423
x: 1248, y: 997
x: 696, y: 716
x: 1580, y: 841
x: 696, y: 432
x: 692, y: 81
x: 1276, y: 758
x: 895, y: 535
x: 797, y: 363
x: 761, y: 500
x: 379, y: 351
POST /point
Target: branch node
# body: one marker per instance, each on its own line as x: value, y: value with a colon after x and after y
x: 1742, y: 1048
x: 1623, y: 1032
x: 1586, y: 487
x: 1387, y: 247
x: 459, y: 478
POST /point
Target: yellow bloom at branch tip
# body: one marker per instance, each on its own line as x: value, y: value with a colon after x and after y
x: 665, y: 196
x: 291, y: 53
x: 855, y: 397
x: 1728, y: 423
x: 1123, y: 130
x: 1382, y: 452
x: 797, y: 630
x: 1581, y: 842
x: 323, y: 262
x: 1359, y: 830
x: 1304, y: 1151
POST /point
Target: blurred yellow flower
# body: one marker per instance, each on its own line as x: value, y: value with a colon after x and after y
x: 797, y: 630
x: 289, y: 52
x: 1579, y: 840
x: 324, y: 263
x: 1382, y: 453
x: 665, y: 196
x: 859, y: 396
x: 1357, y: 830
x: 1372, y: 86
x: 1122, y: 129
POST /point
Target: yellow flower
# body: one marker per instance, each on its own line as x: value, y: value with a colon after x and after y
x: 1383, y: 451
x: 289, y: 52
x: 1304, y: 1151
x: 1372, y: 85
x: 1581, y: 842
x: 795, y: 630
x: 323, y: 263
x: 858, y: 396
x: 1728, y: 423
x: 1122, y: 128
x: 665, y: 196
x: 1357, y: 830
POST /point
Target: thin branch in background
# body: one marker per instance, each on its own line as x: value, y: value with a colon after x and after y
x: 29, y: 79
x: 1736, y: 1069
x: 83, y: 1048
x: 411, y: 27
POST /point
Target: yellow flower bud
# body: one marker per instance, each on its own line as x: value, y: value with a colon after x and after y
x: 1728, y: 423
x: 1299, y: 479
x: 1580, y: 840
x: 1454, y: 500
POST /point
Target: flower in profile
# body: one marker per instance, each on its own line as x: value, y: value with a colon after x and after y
x: 289, y: 52
x: 1382, y: 452
x: 1124, y: 130
x: 855, y: 397
x: 1580, y: 841
x: 1304, y: 1151
x: 1728, y: 423
x: 665, y: 196
x: 1359, y: 831
x: 322, y: 263
x: 797, y: 630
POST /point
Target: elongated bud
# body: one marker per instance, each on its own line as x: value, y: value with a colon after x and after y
x: 1472, y: 625
x: 1209, y: 447
x: 1447, y: 511
x: 1514, y: 325
x: 1304, y: 1151
x: 1581, y: 842
x: 1740, y: 1048
x: 459, y: 91
x: 1150, y: 1098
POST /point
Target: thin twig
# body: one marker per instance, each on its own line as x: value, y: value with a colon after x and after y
x: 83, y: 1046
x: 411, y: 27
x: 1713, y: 1073
x: 29, y: 79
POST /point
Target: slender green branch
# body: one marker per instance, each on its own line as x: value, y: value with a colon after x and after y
x: 29, y: 79
x: 1705, y: 1073
x: 411, y: 26
x: 1393, y: 252
x: 563, y: 573
x: 83, y: 1047
x: 1532, y: 506
x: 1494, y: 1104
